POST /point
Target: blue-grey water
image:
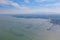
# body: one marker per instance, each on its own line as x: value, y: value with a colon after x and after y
x: 12, y: 28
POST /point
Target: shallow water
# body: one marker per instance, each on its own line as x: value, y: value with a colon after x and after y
x: 12, y: 28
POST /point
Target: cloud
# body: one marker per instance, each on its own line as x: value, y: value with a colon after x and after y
x: 26, y: 1
x: 45, y: 0
x: 52, y: 7
x: 40, y: 0
x: 27, y: 11
x: 4, y: 1
x: 14, y: 4
x: 8, y: 2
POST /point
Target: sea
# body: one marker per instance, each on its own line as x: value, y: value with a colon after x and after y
x: 12, y: 28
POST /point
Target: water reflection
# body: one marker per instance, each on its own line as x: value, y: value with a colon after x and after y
x: 24, y: 29
x: 11, y: 30
x: 29, y: 26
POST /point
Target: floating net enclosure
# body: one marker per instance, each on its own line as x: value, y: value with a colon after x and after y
x: 54, y: 21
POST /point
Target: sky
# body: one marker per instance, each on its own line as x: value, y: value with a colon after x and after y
x: 29, y: 6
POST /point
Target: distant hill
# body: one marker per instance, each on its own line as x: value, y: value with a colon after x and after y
x: 44, y: 16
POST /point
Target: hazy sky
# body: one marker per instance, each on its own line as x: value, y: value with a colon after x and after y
x: 29, y: 6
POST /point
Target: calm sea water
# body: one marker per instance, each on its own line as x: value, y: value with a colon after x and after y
x: 12, y: 28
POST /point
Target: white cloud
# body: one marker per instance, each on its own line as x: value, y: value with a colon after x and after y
x: 27, y: 11
x: 4, y: 1
x: 14, y: 4
x: 8, y: 2
x: 54, y: 5
x: 22, y: 9
x: 26, y: 1
x: 45, y: 0
x: 40, y: 0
